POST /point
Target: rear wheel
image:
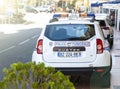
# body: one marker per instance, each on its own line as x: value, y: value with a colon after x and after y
x: 100, y: 82
x: 105, y: 81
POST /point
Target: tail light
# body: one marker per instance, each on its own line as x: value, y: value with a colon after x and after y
x: 105, y: 28
x: 40, y: 47
x: 99, y: 46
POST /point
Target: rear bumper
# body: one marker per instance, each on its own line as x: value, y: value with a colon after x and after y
x: 78, y: 71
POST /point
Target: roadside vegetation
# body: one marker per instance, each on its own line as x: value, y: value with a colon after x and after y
x: 34, y: 76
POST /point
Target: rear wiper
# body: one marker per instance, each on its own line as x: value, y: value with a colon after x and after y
x: 78, y: 38
x: 72, y: 38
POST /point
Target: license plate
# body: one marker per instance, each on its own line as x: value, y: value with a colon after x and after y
x: 69, y: 54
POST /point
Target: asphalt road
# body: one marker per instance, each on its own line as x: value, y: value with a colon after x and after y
x: 17, y: 47
x: 17, y: 41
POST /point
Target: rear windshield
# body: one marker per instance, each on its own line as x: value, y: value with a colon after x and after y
x: 102, y: 23
x: 69, y: 32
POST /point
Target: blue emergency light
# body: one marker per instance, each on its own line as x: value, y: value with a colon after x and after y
x: 91, y: 15
x: 56, y: 16
x: 60, y: 15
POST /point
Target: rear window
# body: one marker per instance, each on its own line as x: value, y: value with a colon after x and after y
x: 102, y: 23
x: 69, y: 32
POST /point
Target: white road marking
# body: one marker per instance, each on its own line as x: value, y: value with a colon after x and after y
x: 34, y: 36
x: 23, y: 42
x: 7, y: 49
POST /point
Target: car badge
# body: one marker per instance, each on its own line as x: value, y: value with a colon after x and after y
x: 50, y: 43
x: 69, y: 44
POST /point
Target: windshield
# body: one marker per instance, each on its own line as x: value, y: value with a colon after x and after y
x: 69, y: 32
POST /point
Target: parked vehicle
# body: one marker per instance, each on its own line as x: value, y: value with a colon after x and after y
x: 74, y: 45
x: 107, y: 29
x: 31, y: 9
x: 44, y: 8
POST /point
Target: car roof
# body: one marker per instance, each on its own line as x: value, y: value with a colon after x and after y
x: 67, y: 18
x: 100, y: 18
x: 72, y: 22
x: 101, y: 14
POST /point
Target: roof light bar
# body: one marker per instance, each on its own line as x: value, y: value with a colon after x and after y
x: 60, y: 15
x: 90, y: 15
x: 82, y: 15
x: 86, y: 15
x: 72, y: 16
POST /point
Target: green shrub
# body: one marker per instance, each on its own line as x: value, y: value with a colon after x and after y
x: 34, y: 76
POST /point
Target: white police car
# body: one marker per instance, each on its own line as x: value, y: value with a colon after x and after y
x: 74, y: 46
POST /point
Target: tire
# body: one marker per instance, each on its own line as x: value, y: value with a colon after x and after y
x: 98, y: 82
x: 105, y: 81
x: 110, y: 63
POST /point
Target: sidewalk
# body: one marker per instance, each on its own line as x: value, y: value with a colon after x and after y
x: 115, y: 72
x: 116, y: 45
x: 13, y: 28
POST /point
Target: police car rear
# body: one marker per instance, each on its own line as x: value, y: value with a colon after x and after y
x: 74, y: 46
